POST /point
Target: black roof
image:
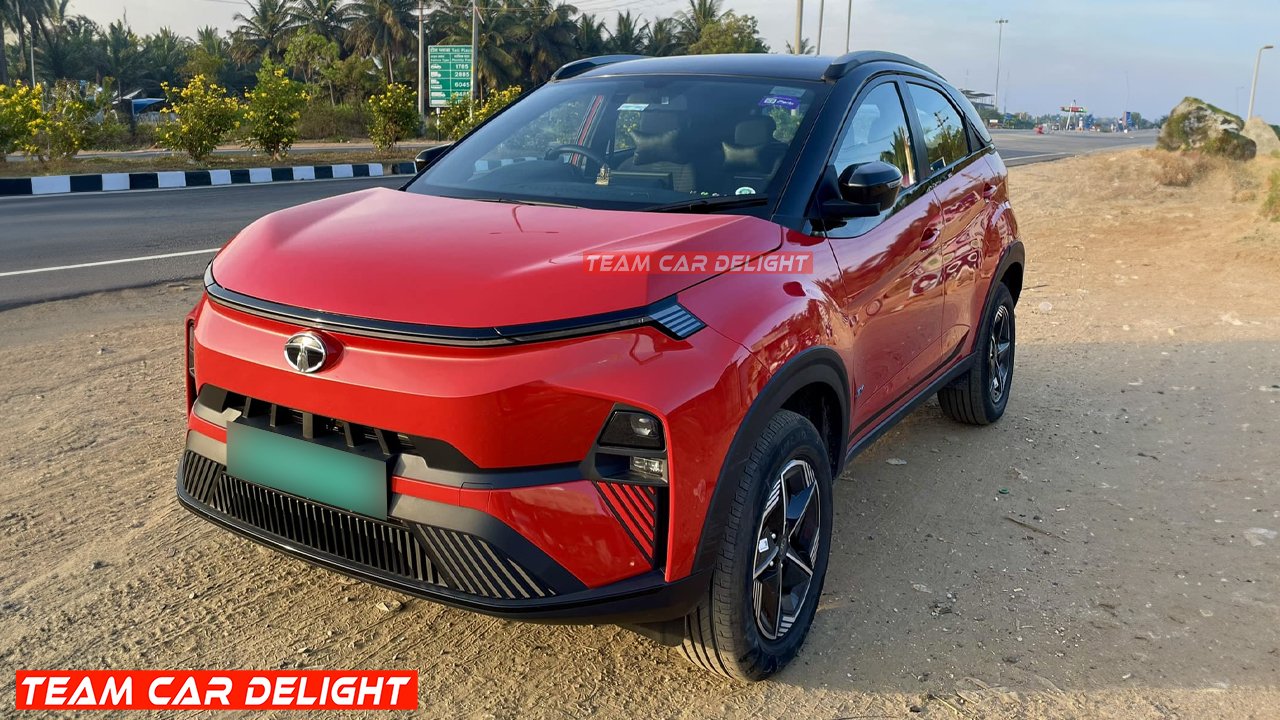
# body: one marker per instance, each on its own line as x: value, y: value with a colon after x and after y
x: 787, y: 67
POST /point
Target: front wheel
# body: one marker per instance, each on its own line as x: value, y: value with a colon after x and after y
x: 773, y: 558
x: 980, y: 396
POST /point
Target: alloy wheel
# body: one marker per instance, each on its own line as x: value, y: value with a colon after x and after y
x: 786, y: 548
x: 999, y: 353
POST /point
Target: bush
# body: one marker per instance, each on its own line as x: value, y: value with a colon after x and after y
x: 67, y: 122
x: 322, y: 121
x: 457, y: 119
x: 20, y: 119
x: 272, y: 111
x: 1271, y: 206
x: 1179, y: 170
x: 394, y: 117
x: 203, y: 115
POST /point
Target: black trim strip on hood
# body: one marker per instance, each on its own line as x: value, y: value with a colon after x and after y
x: 666, y: 315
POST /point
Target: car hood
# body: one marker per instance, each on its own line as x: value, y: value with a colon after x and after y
x: 402, y: 257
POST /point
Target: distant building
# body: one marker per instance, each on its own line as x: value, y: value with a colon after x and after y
x: 981, y: 100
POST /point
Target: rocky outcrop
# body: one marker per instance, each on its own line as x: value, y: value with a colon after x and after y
x: 1263, y: 135
x: 1196, y: 125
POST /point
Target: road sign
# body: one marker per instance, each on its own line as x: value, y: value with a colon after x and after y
x: 1074, y: 109
x: 448, y: 73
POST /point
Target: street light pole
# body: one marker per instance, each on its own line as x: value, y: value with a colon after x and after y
x: 422, y: 64
x: 1254, y: 92
x: 799, y: 25
x: 848, y: 27
x: 475, y: 54
x: 999, y: 49
x: 822, y: 7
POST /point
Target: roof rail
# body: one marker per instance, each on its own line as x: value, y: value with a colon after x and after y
x: 577, y: 67
x: 846, y: 63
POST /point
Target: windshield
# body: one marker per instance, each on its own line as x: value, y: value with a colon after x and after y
x: 632, y: 143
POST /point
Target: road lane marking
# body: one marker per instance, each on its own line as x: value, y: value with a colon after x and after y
x: 100, y: 263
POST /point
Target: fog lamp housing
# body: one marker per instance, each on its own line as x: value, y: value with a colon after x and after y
x: 633, y: 429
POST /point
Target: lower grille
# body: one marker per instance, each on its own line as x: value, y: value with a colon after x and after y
x: 422, y: 554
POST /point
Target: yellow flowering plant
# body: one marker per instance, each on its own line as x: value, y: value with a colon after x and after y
x: 203, y: 115
x: 272, y: 111
x: 21, y: 116
x: 394, y: 116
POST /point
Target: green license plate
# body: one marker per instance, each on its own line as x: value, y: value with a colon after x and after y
x: 328, y: 475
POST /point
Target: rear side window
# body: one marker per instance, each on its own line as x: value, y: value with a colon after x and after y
x: 944, y: 135
x: 878, y: 131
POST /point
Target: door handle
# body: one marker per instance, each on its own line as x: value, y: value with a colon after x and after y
x: 929, y: 238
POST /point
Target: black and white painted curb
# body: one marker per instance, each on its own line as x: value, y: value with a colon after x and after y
x: 119, y: 182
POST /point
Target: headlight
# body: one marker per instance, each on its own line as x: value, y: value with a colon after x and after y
x: 637, y: 430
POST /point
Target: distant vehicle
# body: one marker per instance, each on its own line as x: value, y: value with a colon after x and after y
x: 429, y: 389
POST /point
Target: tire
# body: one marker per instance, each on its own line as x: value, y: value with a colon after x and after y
x: 725, y: 633
x: 980, y: 396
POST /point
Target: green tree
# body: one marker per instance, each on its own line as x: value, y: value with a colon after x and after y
x: 309, y: 54
x: 590, y: 35
x: 695, y: 18
x: 630, y: 35
x: 327, y: 18
x: 203, y: 116
x: 122, y: 56
x: 384, y: 29
x: 498, y: 56
x: 353, y: 79
x: 664, y: 38
x: 545, y: 38
x: 732, y: 33
x: 163, y: 57
x: 806, y: 48
x: 458, y: 119
x: 394, y: 116
x: 272, y: 111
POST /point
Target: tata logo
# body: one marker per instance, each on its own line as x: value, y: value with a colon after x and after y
x: 306, y: 352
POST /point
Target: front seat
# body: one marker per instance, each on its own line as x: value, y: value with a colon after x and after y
x: 660, y: 148
x: 754, y: 151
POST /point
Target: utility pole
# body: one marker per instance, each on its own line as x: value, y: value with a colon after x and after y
x: 848, y: 27
x: 475, y: 52
x: 1254, y: 92
x: 422, y: 64
x: 822, y: 7
x: 799, y: 25
x: 999, y: 49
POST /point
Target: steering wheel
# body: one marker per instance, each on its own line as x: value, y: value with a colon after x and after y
x: 555, y: 152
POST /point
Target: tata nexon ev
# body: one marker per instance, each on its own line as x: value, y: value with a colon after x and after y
x: 441, y: 390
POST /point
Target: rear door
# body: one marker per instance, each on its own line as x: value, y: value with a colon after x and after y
x: 887, y: 261
x: 961, y: 181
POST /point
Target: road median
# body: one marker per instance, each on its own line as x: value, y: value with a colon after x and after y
x: 176, y: 179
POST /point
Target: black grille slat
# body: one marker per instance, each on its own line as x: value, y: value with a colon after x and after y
x: 432, y: 555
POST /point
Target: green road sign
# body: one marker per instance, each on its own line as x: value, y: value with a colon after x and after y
x: 448, y: 73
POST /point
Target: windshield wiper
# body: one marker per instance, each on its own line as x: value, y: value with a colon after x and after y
x: 513, y: 201
x: 710, y: 204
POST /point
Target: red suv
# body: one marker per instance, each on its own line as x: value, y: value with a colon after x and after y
x: 600, y: 360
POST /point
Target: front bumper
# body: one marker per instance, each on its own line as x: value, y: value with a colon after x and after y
x: 444, y: 553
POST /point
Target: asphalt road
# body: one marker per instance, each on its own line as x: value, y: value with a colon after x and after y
x: 188, y: 225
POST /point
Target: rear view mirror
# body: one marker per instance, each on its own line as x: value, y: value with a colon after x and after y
x: 875, y: 184
x: 427, y: 157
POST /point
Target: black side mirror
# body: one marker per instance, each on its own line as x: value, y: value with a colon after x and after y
x: 427, y: 158
x: 875, y: 183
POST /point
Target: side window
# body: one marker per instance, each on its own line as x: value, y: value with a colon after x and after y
x: 878, y: 131
x: 944, y: 134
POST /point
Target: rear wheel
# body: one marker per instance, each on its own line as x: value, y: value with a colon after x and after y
x: 980, y: 396
x: 773, y: 558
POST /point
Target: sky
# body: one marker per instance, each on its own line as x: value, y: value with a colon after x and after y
x: 1108, y: 55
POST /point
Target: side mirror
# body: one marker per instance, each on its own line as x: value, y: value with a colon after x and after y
x: 427, y: 158
x: 875, y: 184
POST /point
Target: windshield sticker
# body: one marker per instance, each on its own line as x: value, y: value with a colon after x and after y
x: 637, y: 107
x: 745, y: 190
x: 780, y: 101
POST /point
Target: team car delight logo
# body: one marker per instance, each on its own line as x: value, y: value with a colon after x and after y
x: 678, y: 263
x: 217, y: 690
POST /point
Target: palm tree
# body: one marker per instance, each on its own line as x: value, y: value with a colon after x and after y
x: 164, y: 55
x: 264, y: 32
x: 327, y: 18
x: 546, y: 38
x: 33, y: 14
x: 209, y: 56
x: 384, y: 29
x: 806, y: 48
x: 630, y: 34
x: 72, y: 50
x: 699, y: 14
x: 122, y: 56
x: 498, y: 56
x: 590, y: 35
x: 664, y: 38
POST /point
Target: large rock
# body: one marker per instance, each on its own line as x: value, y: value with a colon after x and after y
x: 1262, y: 135
x: 1197, y: 125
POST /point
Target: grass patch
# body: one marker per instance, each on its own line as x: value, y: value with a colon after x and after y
x: 1271, y: 205
x: 1180, y: 169
x: 93, y: 165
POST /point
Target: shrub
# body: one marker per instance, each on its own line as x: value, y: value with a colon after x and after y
x: 1179, y: 170
x: 457, y: 119
x: 322, y: 121
x: 20, y: 118
x: 394, y: 117
x: 203, y: 115
x: 67, y: 122
x: 1271, y: 205
x: 272, y: 111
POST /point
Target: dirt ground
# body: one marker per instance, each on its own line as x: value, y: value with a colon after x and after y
x: 1108, y: 550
